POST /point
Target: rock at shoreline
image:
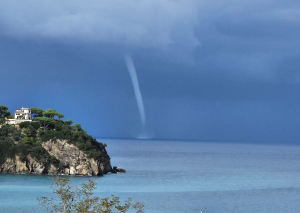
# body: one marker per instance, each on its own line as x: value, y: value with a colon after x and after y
x: 118, y: 169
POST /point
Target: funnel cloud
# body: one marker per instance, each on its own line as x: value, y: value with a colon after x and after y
x: 136, y: 87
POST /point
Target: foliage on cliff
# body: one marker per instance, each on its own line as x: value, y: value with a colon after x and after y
x: 15, y: 141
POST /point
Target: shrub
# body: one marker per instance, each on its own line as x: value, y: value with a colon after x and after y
x: 51, y: 134
x: 53, y: 160
x: 58, y: 126
x: 30, y: 131
x: 38, y: 152
x: 77, y: 126
x: 2, y: 121
x: 16, y: 136
x: 7, y: 149
x: 35, y: 125
x: 23, y: 157
x: 25, y: 124
x: 27, y: 140
x: 5, y: 130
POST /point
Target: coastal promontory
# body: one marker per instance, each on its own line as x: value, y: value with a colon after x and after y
x: 40, y: 142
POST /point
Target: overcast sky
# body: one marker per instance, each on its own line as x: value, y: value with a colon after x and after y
x: 207, y: 70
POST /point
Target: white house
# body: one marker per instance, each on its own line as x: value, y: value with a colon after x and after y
x: 21, y: 115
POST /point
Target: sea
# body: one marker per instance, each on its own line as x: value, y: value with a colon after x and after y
x: 182, y: 177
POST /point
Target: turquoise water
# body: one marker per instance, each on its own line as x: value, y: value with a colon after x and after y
x: 176, y: 177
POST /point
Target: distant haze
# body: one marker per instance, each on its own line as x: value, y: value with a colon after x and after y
x: 212, y: 71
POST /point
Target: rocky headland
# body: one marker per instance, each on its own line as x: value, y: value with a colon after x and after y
x: 51, y: 146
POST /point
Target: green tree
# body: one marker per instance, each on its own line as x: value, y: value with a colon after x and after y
x: 4, y: 111
x: 77, y: 127
x: 2, y: 121
x: 69, y: 122
x: 50, y: 113
x: 60, y: 115
x: 30, y: 131
x: 81, y: 200
x: 44, y: 122
x: 36, y: 112
x: 28, y: 140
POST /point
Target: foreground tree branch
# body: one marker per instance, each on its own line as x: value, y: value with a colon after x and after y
x: 73, y: 199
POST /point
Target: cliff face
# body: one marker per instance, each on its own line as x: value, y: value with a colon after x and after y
x: 75, y: 161
x: 72, y: 161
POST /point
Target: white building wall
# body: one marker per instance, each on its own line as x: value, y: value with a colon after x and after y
x: 16, y: 121
x: 26, y: 112
x: 11, y: 121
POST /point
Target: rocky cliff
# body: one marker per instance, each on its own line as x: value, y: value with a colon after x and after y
x: 68, y: 160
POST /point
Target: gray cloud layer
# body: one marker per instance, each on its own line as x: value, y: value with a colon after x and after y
x: 155, y: 23
x: 249, y: 38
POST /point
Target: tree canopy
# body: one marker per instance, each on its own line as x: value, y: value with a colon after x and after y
x: 69, y: 122
x: 44, y: 121
x: 4, y: 111
x: 50, y: 113
x: 60, y: 115
x: 36, y: 112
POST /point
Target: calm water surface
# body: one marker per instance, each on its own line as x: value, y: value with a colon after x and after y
x: 177, y: 177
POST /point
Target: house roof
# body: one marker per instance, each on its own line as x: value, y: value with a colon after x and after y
x: 20, y: 110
